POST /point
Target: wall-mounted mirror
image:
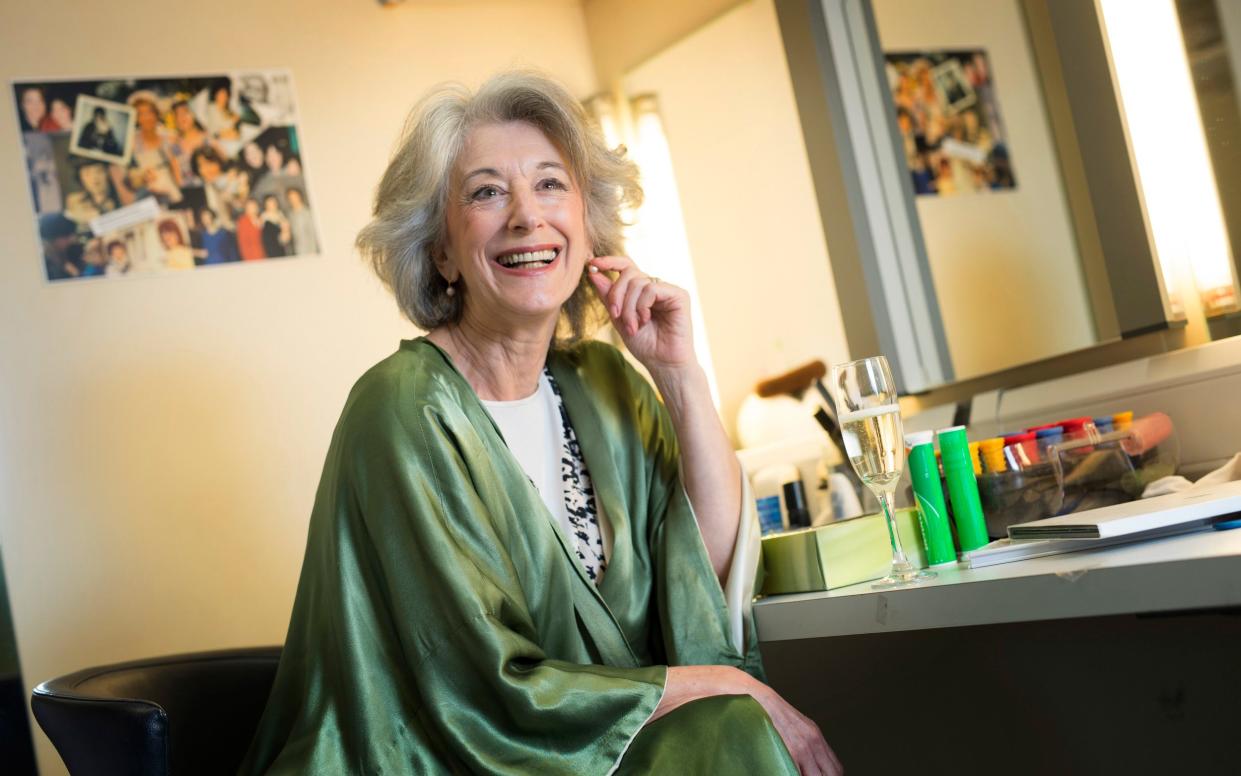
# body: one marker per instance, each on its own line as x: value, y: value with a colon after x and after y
x: 1050, y: 205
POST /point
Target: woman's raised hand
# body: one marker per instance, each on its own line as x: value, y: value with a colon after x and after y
x: 652, y: 316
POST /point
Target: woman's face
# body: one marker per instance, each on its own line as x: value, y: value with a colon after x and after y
x: 94, y: 179
x: 221, y: 97
x: 34, y: 107
x: 170, y: 237
x: 208, y: 168
x: 62, y: 114
x: 275, y: 159
x: 147, y: 117
x: 252, y: 208
x: 253, y: 155
x: 271, y: 205
x: 516, y: 226
x: 183, y: 117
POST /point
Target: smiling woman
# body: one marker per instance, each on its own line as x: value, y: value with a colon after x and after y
x: 520, y: 560
x: 426, y: 176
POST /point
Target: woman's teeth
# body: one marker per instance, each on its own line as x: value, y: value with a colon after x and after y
x: 528, y: 259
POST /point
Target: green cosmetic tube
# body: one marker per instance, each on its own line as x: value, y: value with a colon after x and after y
x: 932, y: 514
x: 954, y: 450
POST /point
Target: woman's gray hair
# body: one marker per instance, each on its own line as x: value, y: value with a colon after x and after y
x: 407, y: 230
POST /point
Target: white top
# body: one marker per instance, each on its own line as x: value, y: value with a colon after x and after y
x: 533, y: 430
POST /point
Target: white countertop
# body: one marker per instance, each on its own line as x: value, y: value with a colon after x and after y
x: 1194, y: 571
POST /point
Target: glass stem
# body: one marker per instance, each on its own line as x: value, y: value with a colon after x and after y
x: 898, y: 552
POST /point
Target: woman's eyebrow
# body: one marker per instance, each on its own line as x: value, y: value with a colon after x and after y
x: 481, y: 171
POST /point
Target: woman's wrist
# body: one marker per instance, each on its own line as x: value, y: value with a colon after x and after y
x: 681, y: 385
x: 684, y: 684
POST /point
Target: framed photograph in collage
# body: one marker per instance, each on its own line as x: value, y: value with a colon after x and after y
x: 143, y: 176
x: 949, y: 118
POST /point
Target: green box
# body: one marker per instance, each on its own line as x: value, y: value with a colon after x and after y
x: 837, y: 554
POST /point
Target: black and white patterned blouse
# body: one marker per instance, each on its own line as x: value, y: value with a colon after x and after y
x: 538, y: 432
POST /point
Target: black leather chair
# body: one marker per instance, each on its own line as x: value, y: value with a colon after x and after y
x: 184, y: 714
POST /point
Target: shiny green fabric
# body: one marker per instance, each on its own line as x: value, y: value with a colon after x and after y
x: 442, y: 624
x: 729, y: 734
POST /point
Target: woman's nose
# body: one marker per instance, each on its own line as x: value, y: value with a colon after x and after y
x: 525, y: 212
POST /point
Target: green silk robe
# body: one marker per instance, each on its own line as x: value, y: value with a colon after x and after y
x: 442, y: 624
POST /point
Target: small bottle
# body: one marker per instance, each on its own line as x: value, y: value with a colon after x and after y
x: 1103, y: 425
x: 992, y: 455
x: 1122, y: 420
x: 1046, y: 437
x: 976, y: 458
x: 1078, y: 428
x: 772, y: 497
x: 768, y: 485
x: 796, y: 512
x: 1027, y: 442
x: 932, y: 512
x: 962, y: 488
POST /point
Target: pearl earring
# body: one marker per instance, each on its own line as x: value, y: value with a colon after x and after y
x: 450, y: 290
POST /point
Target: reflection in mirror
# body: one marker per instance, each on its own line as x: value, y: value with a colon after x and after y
x: 990, y: 197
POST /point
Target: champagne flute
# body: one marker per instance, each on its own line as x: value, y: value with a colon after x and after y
x: 870, y: 421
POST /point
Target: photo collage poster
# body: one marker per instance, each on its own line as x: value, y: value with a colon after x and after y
x: 949, y: 119
x: 148, y: 176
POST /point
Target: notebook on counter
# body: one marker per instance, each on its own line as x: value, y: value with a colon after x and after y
x: 1007, y: 550
x: 1186, y: 510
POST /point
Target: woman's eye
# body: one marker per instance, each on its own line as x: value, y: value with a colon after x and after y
x: 484, y: 193
x: 553, y: 184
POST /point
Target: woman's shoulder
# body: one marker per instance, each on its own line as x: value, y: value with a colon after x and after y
x: 417, y: 376
x: 414, y: 390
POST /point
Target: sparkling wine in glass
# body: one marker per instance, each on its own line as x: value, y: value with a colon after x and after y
x: 870, y: 421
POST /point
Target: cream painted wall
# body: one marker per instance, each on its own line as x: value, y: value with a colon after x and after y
x: 757, y: 243
x: 160, y: 439
x: 1005, y: 263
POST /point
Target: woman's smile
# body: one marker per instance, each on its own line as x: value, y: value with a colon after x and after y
x: 530, y: 260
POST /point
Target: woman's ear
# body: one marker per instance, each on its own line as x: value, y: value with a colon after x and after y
x: 443, y: 264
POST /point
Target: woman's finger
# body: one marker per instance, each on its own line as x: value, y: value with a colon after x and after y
x: 630, y: 312
x: 620, y: 287
x: 612, y: 263
x: 837, y: 769
x: 821, y: 760
x: 824, y: 755
x: 647, y: 300
x: 602, y: 284
x: 620, y: 264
